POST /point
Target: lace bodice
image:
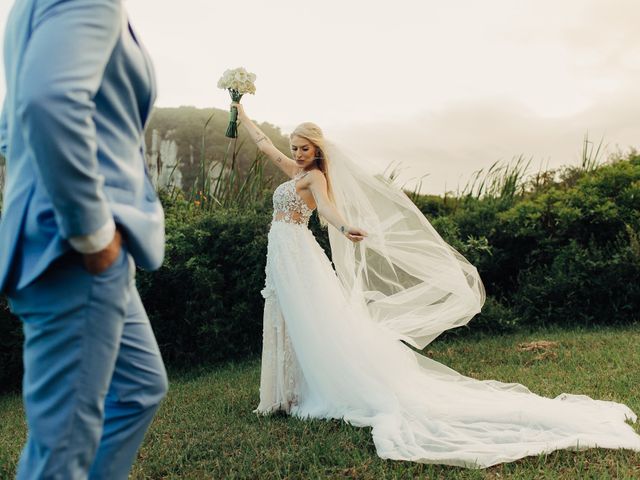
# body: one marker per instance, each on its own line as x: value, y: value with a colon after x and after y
x: 288, y: 206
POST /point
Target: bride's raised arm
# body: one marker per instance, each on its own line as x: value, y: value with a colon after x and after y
x: 286, y: 164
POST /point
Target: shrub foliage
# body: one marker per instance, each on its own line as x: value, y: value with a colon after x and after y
x: 566, y: 252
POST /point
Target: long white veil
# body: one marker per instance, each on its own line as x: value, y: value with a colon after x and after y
x: 408, y: 278
x: 404, y: 283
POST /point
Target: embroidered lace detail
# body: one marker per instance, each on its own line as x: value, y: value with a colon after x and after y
x: 267, y: 292
x: 280, y: 377
x: 288, y: 206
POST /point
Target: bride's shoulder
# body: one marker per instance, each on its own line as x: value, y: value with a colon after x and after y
x: 314, y: 176
x: 316, y: 172
x: 310, y: 180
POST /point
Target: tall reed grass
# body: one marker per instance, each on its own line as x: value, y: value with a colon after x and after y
x: 512, y: 180
x: 221, y: 183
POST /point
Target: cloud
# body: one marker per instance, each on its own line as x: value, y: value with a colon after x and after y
x: 483, y: 81
x: 451, y: 144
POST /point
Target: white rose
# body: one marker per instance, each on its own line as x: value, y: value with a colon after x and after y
x: 238, y: 79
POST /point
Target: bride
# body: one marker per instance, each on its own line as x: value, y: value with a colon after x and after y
x: 335, y: 341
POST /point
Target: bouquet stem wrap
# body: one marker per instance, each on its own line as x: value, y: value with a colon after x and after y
x: 232, y: 128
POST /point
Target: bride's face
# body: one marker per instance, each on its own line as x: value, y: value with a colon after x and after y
x: 303, y: 152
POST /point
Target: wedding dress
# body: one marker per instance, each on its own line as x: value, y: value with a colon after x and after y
x: 332, y: 340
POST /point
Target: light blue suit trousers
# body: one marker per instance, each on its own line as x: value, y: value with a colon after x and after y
x: 93, y: 372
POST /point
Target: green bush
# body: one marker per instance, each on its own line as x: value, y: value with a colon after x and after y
x: 205, y: 301
x: 529, y: 233
x: 566, y: 254
x: 584, y: 285
x: 433, y: 206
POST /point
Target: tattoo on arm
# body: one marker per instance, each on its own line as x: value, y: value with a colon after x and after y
x: 279, y: 159
x: 258, y: 140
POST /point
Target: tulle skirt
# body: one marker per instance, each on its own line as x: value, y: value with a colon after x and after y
x: 323, y: 357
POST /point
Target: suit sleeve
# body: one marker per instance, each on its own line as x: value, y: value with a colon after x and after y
x: 95, y: 242
x: 62, y: 70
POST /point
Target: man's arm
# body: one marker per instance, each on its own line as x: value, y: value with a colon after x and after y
x: 88, y: 244
x: 96, y: 241
x: 60, y: 74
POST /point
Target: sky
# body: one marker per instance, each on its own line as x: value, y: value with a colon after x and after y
x: 440, y: 88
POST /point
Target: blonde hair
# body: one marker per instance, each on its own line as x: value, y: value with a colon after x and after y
x: 313, y: 133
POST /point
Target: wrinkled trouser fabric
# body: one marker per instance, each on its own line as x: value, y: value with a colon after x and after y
x: 93, y: 375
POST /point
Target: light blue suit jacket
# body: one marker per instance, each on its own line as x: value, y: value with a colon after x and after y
x: 80, y: 88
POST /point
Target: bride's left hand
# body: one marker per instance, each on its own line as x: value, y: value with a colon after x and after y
x: 356, y: 235
x: 241, y: 112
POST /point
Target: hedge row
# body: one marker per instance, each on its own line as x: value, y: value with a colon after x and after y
x: 569, y: 255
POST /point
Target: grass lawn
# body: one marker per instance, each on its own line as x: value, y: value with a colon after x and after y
x: 205, y: 428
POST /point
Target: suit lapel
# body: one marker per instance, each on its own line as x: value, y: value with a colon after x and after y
x: 144, y: 113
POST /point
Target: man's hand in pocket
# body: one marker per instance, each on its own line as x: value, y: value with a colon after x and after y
x: 98, y: 262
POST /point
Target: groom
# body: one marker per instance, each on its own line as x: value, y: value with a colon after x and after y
x: 78, y: 213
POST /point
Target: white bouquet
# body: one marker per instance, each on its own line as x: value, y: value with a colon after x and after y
x: 238, y: 81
